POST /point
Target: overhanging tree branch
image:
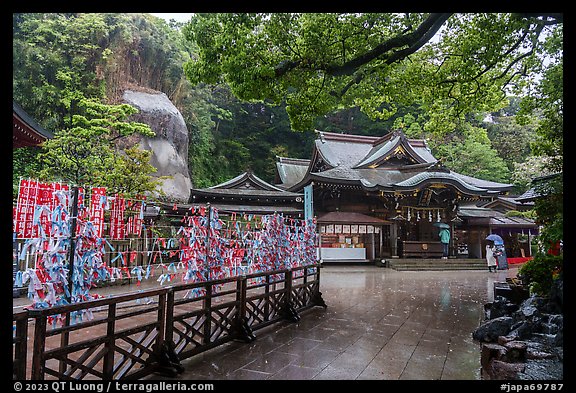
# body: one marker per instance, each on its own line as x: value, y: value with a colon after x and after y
x: 414, y: 41
x: 411, y: 42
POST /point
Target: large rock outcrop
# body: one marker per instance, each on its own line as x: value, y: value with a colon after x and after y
x: 170, y: 145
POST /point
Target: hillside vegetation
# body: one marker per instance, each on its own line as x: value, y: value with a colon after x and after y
x: 58, y: 58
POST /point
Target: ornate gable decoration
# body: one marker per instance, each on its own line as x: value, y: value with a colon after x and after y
x: 393, y: 150
x: 318, y: 163
x: 398, y: 156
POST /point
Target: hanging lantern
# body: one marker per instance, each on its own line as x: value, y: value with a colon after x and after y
x: 417, y: 215
x: 430, y: 215
x: 409, y: 215
x: 438, y: 215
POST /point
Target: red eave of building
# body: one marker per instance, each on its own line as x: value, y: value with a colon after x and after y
x: 25, y: 131
x: 24, y: 136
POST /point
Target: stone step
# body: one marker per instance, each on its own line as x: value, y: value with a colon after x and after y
x: 436, y: 268
x: 436, y: 264
x: 433, y: 265
x: 416, y: 263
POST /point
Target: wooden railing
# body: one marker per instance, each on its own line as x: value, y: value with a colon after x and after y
x: 19, y: 344
x: 133, y: 335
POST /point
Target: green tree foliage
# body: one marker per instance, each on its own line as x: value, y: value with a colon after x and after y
x: 476, y: 159
x: 540, y: 273
x: 549, y: 208
x: 54, y: 61
x: 532, y: 167
x: 363, y: 74
x: 59, y: 59
x: 317, y: 63
x: 130, y: 174
x: 249, y: 136
x: 511, y: 140
x: 25, y: 164
x: 546, y: 103
x: 87, y: 153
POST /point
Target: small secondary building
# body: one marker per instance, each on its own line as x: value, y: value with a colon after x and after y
x: 248, y: 194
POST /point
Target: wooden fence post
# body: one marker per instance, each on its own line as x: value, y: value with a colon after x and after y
x: 108, y: 368
x: 207, y: 305
x: 243, y: 330
x: 317, y: 299
x: 21, y: 350
x: 288, y: 310
x: 39, y: 346
x: 169, y: 328
x: 267, y: 297
x: 161, y: 319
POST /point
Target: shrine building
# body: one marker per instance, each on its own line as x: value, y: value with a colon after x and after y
x: 381, y: 197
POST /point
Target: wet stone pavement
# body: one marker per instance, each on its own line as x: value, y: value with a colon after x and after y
x: 380, y: 324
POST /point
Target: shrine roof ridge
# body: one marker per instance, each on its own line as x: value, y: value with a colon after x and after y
x: 293, y: 161
x: 340, y: 137
x: 367, y: 139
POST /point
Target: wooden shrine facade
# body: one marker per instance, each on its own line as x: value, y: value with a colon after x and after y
x: 393, y: 179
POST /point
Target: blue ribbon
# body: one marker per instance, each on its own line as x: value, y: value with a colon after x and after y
x: 118, y: 256
x: 138, y: 271
x: 40, y: 305
x: 18, y: 279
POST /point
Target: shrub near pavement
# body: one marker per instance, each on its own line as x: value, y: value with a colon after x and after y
x: 539, y: 273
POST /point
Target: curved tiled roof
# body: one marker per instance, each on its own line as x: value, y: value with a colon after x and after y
x: 291, y: 170
x: 246, y: 180
x: 481, y: 183
x: 435, y: 177
x: 246, y: 185
x: 365, y: 161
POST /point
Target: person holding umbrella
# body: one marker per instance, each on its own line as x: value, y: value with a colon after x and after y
x: 490, y: 258
x: 492, y: 252
x: 498, y: 251
x: 444, y: 235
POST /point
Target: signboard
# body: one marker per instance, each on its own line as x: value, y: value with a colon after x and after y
x: 97, y: 202
x: 117, y: 228
x: 308, y: 202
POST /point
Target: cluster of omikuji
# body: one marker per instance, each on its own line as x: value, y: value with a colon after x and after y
x: 221, y: 249
x: 205, y: 248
